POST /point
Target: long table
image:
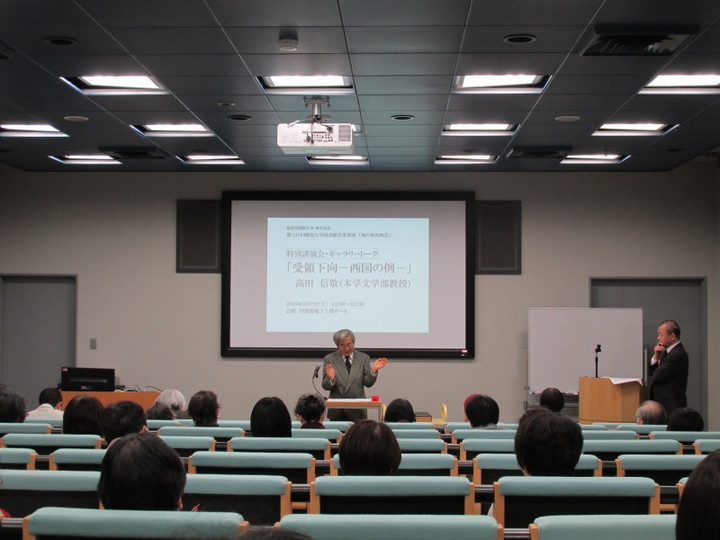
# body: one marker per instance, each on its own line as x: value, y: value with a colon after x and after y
x: 361, y: 403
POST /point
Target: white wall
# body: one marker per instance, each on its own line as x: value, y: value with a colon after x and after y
x: 116, y: 233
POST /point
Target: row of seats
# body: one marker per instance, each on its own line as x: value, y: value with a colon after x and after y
x: 50, y: 523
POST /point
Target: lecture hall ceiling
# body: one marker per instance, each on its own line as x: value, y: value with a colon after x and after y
x: 403, y: 60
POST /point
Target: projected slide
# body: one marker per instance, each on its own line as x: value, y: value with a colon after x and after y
x: 372, y: 272
x: 397, y: 268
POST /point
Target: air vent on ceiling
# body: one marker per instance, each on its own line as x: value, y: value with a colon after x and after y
x: 539, y: 152
x: 637, y: 40
x: 124, y: 153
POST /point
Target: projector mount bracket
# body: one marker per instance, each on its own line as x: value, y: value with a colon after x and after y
x: 317, y: 117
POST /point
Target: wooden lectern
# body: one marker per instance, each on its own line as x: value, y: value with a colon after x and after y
x: 603, y: 401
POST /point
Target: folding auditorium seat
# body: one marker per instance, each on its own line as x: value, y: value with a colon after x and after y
x: 410, y: 425
x: 260, y: 499
x: 415, y: 446
x: 640, y: 429
x: 46, y: 443
x: 589, y: 527
x: 221, y: 434
x: 706, y: 446
x: 318, y: 447
x: 452, y: 426
x: 685, y: 437
x: 489, y: 468
x: 416, y: 465
x: 609, y: 435
x: 609, y: 450
x: 416, y: 433
x: 470, y: 448
x: 298, y: 467
x: 24, y: 427
x: 186, y: 445
x: 17, y: 458
x: 53, y: 523
x: 23, y: 492
x: 519, y: 500
x: 384, y: 526
x: 333, y: 435
x: 399, y: 494
x: 460, y: 435
x: 76, y: 459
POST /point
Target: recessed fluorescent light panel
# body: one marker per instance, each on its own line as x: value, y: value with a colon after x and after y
x: 593, y: 159
x: 626, y: 129
x: 115, y: 85
x: 479, y: 130
x: 173, y: 130
x: 708, y: 83
x: 211, y: 159
x: 29, y: 130
x: 338, y: 160
x: 500, y: 84
x: 465, y: 159
x: 304, y: 84
x: 86, y: 159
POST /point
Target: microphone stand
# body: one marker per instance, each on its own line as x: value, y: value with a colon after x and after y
x: 597, y: 350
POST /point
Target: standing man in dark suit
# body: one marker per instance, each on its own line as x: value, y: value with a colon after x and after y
x: 347, y: 373
x: 669, y: 369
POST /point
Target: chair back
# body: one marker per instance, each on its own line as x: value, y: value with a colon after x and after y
x: 452, y: 426
x: 435, y: 464
x: 685, y: 437
x: 186, y: 445
x: 52, y: 522
x: 460, y: 435
x: 593, y: 427
x: 17, y: 458
x: 76, y: 459
x: 260, y: 499
x: 402, y: 494
x: 640, y: 429
x: 608, y: 435
x: 424, y: 446
x: 46, y: 443
x: 406, y: 433
x: 519, y: 500
x: 384, y: 526
x: 706, y: 446
x: 609, y: 450
x: 470, y: 448
x: 154, y: 424
x: 243, y: 424
x: 318, y: 447
x: 297, y: 467
x: 589, y: 527
x: 489, y: 468
x: 333, y: 435
x: 55, y: 423
x: 24, y: 427
x: 410, y: 425
x: 23, y: 492
x: 219, y: 433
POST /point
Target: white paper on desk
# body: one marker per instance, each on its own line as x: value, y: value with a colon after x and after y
x: 621, y: 380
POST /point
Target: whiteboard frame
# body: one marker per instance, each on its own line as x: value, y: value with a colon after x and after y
x: 562, y: 342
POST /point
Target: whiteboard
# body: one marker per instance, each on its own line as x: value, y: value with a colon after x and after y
x: 562, y: 342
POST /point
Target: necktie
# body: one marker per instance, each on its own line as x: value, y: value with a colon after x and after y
x: 348, y: 365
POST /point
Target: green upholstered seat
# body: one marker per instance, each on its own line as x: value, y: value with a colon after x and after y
x: 318, y: 447
x: 298, y: 467
x: 593, y: 527
x: 17, y: 458
x: 23, y: 492
x: 79, y: 459
x: 408, y: 446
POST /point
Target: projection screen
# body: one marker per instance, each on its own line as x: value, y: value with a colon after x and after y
x: 397, y: 268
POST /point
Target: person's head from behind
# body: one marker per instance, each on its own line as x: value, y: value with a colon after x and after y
x: 698, y: 513
x: 158, y: 411
x: 173, y: 399
x: 685, y: 419
x: 650, y: 412
x: 399, y: 410
x: 369, y: 448
x: 204, y: 408
x: 482, y: 411
x: 547, y: 444
x: 310, y: 408
x: 51, y: 396
x: 12, y: 407
x: 270, y: 418
x: 82, y: 415
x: 141, y: 472
x: 122, y: 418
x: 552, y: 399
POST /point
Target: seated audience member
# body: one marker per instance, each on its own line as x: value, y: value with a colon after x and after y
x: 685, y: 419
x: 369, y: 448
x: 49, y: 404
x: 650, y: 412
x: 482, y: 412
x: 171, y: 399
x: 547, y: 444
x: 204, y: 408
x: 12, y: 407
x: 158, y: 411
x: 270, y: 418
x: 310, y: 410
x: 141, y: 472
x: 82, y: 416
x: 122, y: 418
x: 399, y: 410
x: 698, y: 513
x: 552, y: 399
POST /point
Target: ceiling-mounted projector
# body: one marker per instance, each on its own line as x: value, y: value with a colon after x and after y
x: 309, y: 138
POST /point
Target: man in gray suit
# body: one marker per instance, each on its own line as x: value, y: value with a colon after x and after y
x: 347, y: 372
x: 669, y: 369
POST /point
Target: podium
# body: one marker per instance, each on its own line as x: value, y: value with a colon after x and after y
x: 144, y: 399
x: 603, y: 401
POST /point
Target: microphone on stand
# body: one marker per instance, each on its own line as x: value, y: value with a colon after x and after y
x: 317, y: 369
x: 597, y: 350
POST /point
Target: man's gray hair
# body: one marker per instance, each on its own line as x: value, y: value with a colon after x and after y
x: 340, y: 335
